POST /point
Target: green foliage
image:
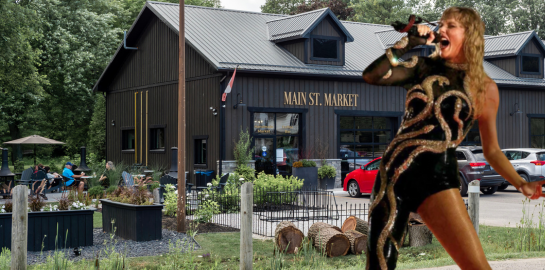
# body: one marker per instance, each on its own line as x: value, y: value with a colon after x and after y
x: 130, y: 195
x: 246, y: 172
x: 242, y: 151
x: 206, y: 211
x: 178, y: 257
x: 5, y: 259
x: 281, y: 6
x: 266, y: 182
x: 110, y: 189
x: 308, y: 163
x: 326, y: 171
x: 96, y: 192
x: 338, y: 7
x: 380, y: 11
x: 97, y: 128
x: 171, y: 200
x: 19, y: 166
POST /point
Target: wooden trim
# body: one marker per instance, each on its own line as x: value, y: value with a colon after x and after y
x: 540, y: 63
x: 200, y: 137
x: 339, y: 41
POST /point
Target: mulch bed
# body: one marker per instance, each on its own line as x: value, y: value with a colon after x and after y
x: 170, y: 224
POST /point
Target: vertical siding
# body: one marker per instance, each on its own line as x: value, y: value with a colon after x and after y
x: 507, y: 64
x: 326, y: 28
x: 297, y: 49
x: 153, y: 68
x: 321, y: 121
x: 531, y: 48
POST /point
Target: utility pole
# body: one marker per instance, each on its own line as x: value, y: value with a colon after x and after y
x: 181, y: 121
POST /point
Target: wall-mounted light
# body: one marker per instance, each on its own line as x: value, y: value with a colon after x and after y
x: 516, y: 109
x: 113, y: 122
x: 240, y: 103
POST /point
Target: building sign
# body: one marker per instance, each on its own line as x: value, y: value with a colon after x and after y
x: 317, y: 99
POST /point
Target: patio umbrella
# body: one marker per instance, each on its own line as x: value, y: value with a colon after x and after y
x: 34, y: 139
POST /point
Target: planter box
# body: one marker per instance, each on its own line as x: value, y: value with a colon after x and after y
x: 78, y: 223
x: 309, y: 176
x: 133, y: 222
x: 327, y: 183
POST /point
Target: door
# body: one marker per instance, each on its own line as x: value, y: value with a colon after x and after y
x: 265, y: 155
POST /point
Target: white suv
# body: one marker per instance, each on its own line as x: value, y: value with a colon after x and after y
x: 528, y: 162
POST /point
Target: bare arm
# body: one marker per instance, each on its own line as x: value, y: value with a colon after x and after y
x: 491, y: 148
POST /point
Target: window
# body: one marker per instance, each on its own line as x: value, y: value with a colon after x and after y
x: 157, y: 137
x: 530, y: 64
x: 537, y: 135
x: 460, y: 156
x: 127, y: 139
x: 525, y: 154
x: 200, y: 150
x: 373, y: 166
x: 325, y: 48
x: 513, y: 155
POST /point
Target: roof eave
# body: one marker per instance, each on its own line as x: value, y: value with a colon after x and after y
x: 327, y: 12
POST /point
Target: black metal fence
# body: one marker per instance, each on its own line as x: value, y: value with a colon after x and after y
x: 302, y: 207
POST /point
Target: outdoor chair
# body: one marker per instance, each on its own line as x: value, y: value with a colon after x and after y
x: 220, y: 186
x: 36, y: 179
x: 167, y: 179
x: 25, y: 177
x: 128, y: 180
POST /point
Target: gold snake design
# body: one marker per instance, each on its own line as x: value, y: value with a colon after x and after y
x: 423, y: 92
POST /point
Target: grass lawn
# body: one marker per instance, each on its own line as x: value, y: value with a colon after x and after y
x: 97, y: 220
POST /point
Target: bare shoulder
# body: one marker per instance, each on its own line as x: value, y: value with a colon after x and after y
x: 492, y: 93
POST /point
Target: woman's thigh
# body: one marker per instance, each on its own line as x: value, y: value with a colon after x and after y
x: 446, y: 216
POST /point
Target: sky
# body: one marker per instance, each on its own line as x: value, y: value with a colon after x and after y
x: 247, y: 5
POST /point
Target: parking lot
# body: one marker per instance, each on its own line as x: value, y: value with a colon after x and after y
x: 503, y: 208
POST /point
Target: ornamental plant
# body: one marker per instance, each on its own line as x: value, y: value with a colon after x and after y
x: 298, y: 164
x: 206, y: 211
x: 326, y: 171
x: 266, y: 183
x: 171, y: 200
x: 308, y: 163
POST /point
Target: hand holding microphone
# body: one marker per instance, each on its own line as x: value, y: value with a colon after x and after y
x: 416, y: 29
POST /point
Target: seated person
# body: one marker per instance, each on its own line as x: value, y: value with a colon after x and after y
x: 51, y: 175
x: 67, y: 172
x: 105, y: 181
x: 49, y: 182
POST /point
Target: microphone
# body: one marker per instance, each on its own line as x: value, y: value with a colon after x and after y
x: 413, y: 30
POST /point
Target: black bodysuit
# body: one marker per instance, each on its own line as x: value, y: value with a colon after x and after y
x: 420, y: 160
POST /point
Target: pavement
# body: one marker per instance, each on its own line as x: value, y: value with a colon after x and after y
x: 520, y: 264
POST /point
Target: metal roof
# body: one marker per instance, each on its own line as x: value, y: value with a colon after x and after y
x: 300, y: 25
x: 505, y: 45
x: 227, y: 38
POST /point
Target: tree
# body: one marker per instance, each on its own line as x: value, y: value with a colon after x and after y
x: 97, y: 129
x: 380, y: 11
x: 281, y: 6
x: 338, y: 7
x: 20, y: 82
x: 529, y: 15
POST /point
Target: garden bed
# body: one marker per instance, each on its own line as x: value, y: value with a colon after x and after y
x: 133, y: 222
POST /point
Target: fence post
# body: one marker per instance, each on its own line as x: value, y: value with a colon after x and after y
x: 246, y: 213
x: 19, y: 219
x: 156, y: 196
x: 473, y: 203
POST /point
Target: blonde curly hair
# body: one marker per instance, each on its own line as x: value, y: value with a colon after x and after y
x: 474, y: 51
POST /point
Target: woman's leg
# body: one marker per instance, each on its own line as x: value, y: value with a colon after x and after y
x: 446, y: 216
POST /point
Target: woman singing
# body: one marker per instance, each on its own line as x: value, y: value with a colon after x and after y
x: 418, y: 172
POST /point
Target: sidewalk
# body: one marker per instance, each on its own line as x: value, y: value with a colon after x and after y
x: 526, y: 264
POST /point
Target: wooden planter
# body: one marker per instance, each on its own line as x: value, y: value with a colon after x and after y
x: 327, y: 182
x: 133, y: 222
x: 309, y: 176
x: 42, y: 228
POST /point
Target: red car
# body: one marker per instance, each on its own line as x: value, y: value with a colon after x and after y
x: 362, y: 180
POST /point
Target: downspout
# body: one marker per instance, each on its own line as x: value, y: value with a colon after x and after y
x: 106, y: 130
x: 125, y: 42
x: 222, y: 128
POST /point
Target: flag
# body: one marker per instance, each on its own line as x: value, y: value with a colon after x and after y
x: 229, y: 86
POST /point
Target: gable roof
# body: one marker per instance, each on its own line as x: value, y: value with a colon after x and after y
x: 509, y: 45
x: 300, y: 25
x: 227, y: 38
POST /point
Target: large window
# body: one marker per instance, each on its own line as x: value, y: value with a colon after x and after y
x: 325, y: 48
x: 157, y: 138
x: 363, y: 138
x: 276, y: 141
x: 127, y: 139
x: 537, y: 132
x: 200, y: 150
x: 530, y: 64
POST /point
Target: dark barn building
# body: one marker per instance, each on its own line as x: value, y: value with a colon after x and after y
x: 298, y: 89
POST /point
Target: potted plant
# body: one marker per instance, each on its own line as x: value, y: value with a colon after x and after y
x: 307, y: 171
x: 68, y: 224
x: 327, y: 175
x: 131, y: 211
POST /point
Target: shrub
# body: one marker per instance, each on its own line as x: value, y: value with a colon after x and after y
x: 266, y: 182
x: 7, y: 207
x: 326, y: 171
x: 96, y: 192
x: 130, y: 195
x: 242, y: 151
x: 298, y: 164
x: 171, y: 200
x: 110, y: 189
x: 19, y: 166
x: 246, y: 172
x: 5, y: 258
x: 206, y: 211
x: 36, y: 203
x: 308, y: 163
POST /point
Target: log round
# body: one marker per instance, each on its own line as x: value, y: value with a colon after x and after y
x: 419, y: 235
x: 358, y: 241
x: 357, y: 224
x: 332, y: 242
x: 288, y: 238
x: 317, y: 227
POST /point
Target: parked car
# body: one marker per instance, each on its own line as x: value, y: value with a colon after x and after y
x: 528, y: 162
x: 471, y: 164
